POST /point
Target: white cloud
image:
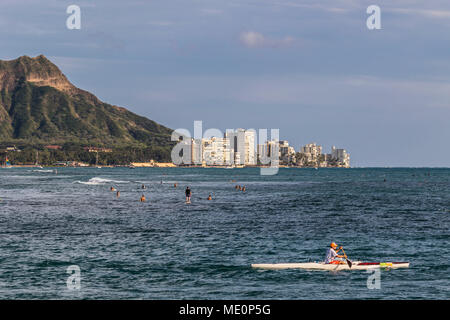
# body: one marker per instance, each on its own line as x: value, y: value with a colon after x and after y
x: 428, y: 9
x: 211, y: 11
x: 334, y: 6
x: 423, y: 12
x: 253, y: 39
x: 364, y: 91
x: 358, y: 91
x: 161, y: 23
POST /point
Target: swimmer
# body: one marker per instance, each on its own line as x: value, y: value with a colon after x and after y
x: 113, y: 189
x: 143, y: 187
x: 236, y: 187
x: 243, y: 189
x: 142, y: 198
x: 118, y: 194
x: 174, y: 185
x: 209, y: 197
x: 240, y: 188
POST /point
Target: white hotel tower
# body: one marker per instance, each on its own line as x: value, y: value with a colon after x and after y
x: 242, y: 144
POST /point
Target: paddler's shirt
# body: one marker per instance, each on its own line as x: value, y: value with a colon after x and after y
x: 331, y: 254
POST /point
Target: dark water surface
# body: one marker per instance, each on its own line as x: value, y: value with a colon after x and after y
x: 165, y: 249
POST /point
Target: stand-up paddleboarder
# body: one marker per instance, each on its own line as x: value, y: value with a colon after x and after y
x: 188, y: 195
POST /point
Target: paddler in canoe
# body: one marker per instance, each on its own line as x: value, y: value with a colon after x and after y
x: 332, y: 254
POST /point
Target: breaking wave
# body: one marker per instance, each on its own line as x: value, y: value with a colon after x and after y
x: 100, y: 181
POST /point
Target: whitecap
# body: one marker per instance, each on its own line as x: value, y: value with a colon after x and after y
x: 99, y: 181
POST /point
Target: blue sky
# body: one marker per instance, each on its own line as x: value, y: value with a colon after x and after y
x: 310, y: 68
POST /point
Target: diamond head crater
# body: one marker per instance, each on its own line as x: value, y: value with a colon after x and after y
x: 45, y: 119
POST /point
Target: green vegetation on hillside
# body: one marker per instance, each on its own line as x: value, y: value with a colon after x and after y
x: 119, y: 156
x: 39, y: 106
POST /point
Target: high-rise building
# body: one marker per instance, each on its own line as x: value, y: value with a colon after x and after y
x: 242, y: 144
x: 310, y: 154
x: 216, y: 151
x: 341, y: 156
x: 287, y: 153
x: 269, y: 152
x: 250, y: 152
x: 196, y: 152
x: 312, y: 148
x: 237, y: 144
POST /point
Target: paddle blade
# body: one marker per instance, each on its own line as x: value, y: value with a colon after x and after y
x: 349, y: 263
x: 346, y: 259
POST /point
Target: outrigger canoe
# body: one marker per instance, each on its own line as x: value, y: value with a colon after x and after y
x: 356, y: 265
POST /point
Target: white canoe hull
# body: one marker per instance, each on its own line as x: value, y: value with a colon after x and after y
x: 356, y: 265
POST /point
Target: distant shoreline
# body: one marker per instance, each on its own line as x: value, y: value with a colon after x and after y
x: 209, y: 167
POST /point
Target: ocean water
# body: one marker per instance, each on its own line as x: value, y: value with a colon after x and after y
x: 165, y: 249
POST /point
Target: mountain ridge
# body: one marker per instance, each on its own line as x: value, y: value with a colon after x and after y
x: 38, y: 104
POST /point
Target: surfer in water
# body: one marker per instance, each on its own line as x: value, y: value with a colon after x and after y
x: 188, y: 195
x: 142, y: 198
x: 243, y: 189
x: 113, y: 189
x: 332, y: 254
x: 209, y: 197
x: 143, y: 187
x: 118, y: 194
